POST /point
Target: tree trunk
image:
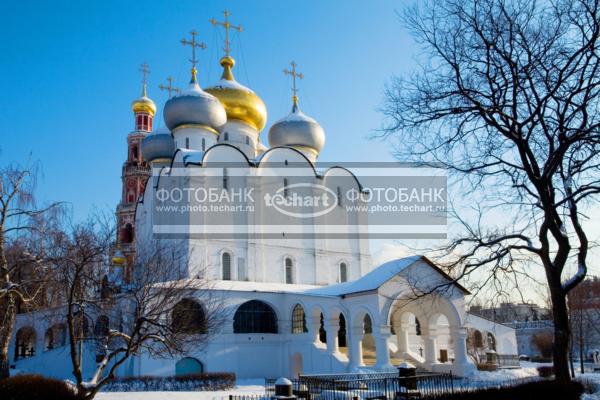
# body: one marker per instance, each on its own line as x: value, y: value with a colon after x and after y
x: 561, y: 333
x: 5, y: 337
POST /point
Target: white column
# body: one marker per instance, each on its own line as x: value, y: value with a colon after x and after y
x: 459, y: 337
x: 431, y: 347
x: 332, y: 327
x: 355, y: 348
x: 382, y: 336
x: 403, y: 344
x: 313, y: 328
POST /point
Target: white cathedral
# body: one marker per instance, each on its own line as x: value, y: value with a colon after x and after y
x: 301, y: 303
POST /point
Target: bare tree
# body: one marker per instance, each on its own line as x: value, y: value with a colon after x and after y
x: 508, y: 101
x: 23, y: 226
x: 156, y: 313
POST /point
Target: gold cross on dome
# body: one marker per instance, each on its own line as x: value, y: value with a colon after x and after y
x: 193, y: 44
x: 145, y: 70
x: 294, y: 75
x: 227, y: 25
x: 170, y: 88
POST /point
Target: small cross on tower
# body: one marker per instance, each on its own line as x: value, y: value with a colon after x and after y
x: 193, y: 44
x: 294, y: 75
x: 145, y: 70
x: 170, y: 88
x: 227, y: 25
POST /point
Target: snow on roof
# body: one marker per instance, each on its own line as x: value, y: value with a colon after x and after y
x: 270, y: 287
x: 228, y: 84
x: 370, y: 281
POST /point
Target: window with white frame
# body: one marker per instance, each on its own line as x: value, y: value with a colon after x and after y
x: 289, y: 270
x: 226, y: 266
x: 343, y: 272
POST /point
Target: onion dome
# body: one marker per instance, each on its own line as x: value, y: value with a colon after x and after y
x: 299, y: 131
x: 194, y: 106
x: 119, y: 258
x: 240, y: 103
x: 158, y: 146
x: 143, y: 104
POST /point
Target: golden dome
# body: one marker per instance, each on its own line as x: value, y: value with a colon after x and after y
x: 143, y: 104
x: 240, y: 103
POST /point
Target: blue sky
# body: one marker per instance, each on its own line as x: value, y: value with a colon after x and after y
x: 69, y: 72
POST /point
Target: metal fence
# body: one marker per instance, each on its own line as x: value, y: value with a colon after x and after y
x: 384, y: 386
x: 378, y: 386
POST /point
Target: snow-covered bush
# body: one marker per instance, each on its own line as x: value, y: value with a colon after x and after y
x: 193, y: 382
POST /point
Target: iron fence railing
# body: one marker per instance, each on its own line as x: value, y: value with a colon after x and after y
x: 384, y: 386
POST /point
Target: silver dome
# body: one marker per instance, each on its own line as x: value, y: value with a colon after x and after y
x: 159, y: 145
x: 194, y: 106
x: 297, y: 130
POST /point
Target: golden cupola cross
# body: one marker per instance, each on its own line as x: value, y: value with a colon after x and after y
x: 295, y: 74
x: 169, y: 88
x: 145, y: 70
x: 227, y: 25
x: 194, y: 44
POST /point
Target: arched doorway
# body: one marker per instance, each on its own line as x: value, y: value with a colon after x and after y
x: 188, y: 366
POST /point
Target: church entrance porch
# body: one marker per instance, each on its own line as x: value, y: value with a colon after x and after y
x: 429, y: 334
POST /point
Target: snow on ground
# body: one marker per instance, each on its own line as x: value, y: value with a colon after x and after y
x: 256, y: 386
x: 527, y: 370
x: 244, y: 387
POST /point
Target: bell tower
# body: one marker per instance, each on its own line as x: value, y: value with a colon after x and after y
x: 135, y: 173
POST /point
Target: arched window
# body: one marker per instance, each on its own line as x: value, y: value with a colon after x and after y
x: 25, y: 343
x: 477, y: 340
x: 187, y: 142
x: 255, y: 317
x: 289, y: 270
x: 298, y: 320
x: 491, y: 341
x: 368, y: 324
x: 343, y: 272
x: 102, y: 326
x: 226, y: 266
x: 203, y: 144
x: 188, y: 317
x: 342, y: 331
x: 322, y: 331
x: 417, y: 327
x: 285, y: 188
x: 247, y: 140
x: 127, y: 234
x: 188, y: 366
x: 55, y: 337
x: 226, y: 136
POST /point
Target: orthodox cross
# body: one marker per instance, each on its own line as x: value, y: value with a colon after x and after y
x: 193, y: 44
x: 145, y: 70
x: 227, y: 25
x: 294, y: 75
x: 170, y: 88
